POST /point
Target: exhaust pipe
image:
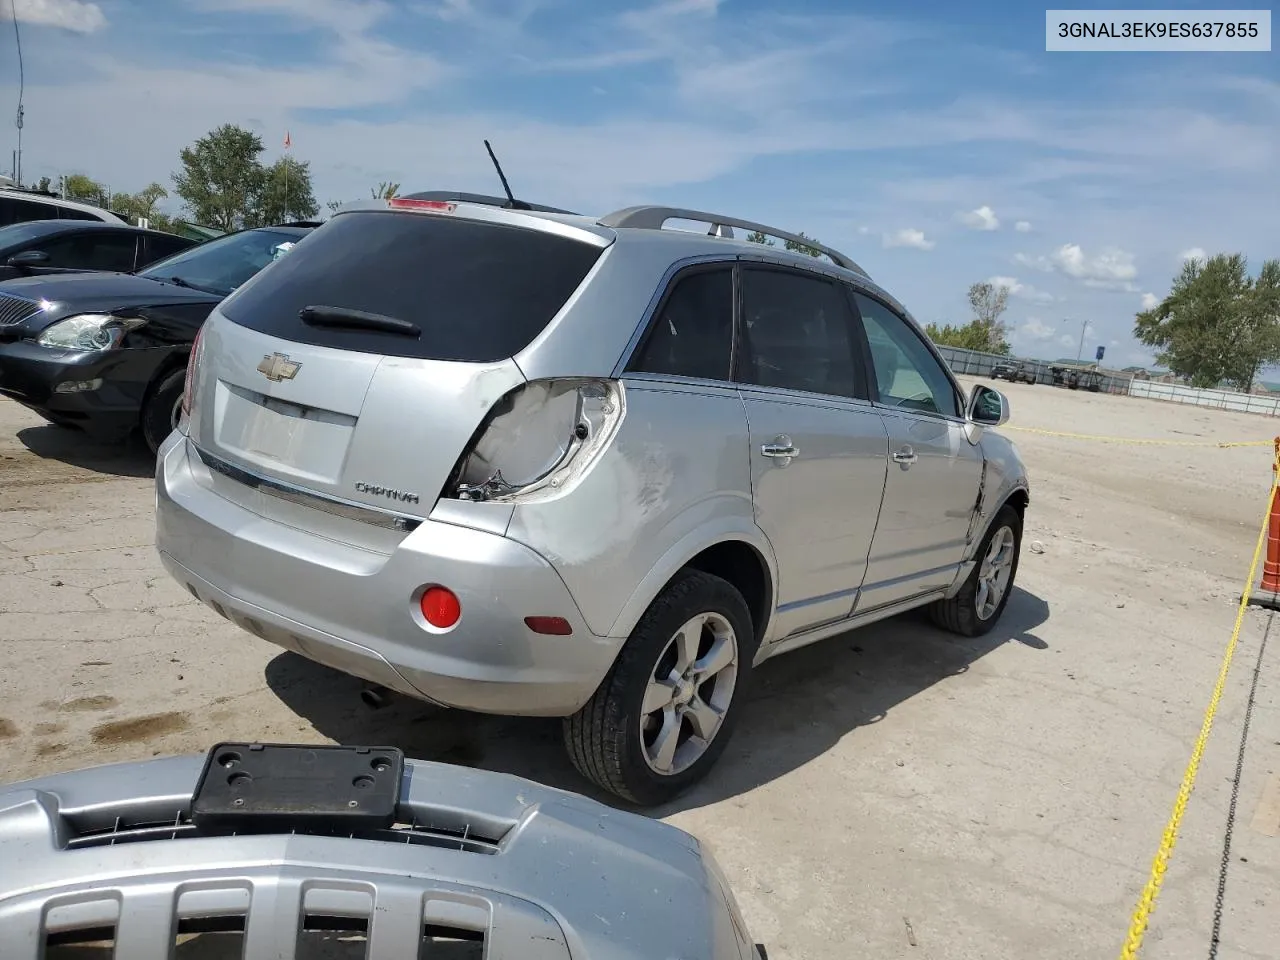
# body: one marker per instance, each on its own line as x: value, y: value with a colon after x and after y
x: 374, y: 696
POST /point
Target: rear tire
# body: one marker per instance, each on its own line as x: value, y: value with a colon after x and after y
x: 161, y: 410
x: 616, y: 740
x: 970, y: 612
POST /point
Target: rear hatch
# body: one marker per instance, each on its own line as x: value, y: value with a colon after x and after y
x: 361, y: 365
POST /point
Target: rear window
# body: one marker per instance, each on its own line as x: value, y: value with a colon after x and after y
x: 477, y: 292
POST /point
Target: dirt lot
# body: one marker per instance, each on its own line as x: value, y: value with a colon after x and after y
x: 892, y: 793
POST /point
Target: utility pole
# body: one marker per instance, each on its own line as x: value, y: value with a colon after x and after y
x: 1084, y: 326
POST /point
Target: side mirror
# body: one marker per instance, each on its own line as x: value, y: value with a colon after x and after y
x: 28, y: 258
x: 987, y: 407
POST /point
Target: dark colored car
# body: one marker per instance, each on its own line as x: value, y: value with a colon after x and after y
x: 1015, y: 371
x: 107, y: 352
x: 60, y: 246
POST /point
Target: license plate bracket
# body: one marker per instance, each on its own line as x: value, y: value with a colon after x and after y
x: 279, y: 787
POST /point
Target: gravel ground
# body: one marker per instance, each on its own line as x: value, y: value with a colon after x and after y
x: 890, y: 793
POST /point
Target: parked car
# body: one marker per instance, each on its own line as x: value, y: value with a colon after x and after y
x: 234, y: 854
x: 1015, y: 371
x: 64, y: 246
x: 20, y: 206
x: 107, y: 352
x: 540, y: 464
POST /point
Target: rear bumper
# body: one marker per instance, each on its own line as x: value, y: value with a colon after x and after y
x: 352, y: 607
x: 111, y: 385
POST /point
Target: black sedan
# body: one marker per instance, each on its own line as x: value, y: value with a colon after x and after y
x: 59, y: 246
x: 107, y: 352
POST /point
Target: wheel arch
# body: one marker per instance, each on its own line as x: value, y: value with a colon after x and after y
x: 737, y: 553
x: 175, y: 360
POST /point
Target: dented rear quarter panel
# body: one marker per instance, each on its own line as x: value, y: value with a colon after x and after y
x: 675, y: 480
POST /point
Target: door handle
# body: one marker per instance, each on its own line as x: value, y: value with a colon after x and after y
x: 906, y: 457
x: 781, y: 449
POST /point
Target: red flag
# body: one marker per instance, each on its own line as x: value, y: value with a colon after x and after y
x: 288, y: 142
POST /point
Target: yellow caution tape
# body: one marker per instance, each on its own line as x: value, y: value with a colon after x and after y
x: 1147, y: 902
x: 1164, y: 443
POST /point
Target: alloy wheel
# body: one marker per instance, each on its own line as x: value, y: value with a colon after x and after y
x: 688, y: 694
x: 994, y: 573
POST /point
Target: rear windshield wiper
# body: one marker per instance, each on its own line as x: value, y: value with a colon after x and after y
x: 317, y: 316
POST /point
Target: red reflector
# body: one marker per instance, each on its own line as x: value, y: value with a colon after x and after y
x: 440, y: 607
x: 408, y: 203
x: 554, y: 626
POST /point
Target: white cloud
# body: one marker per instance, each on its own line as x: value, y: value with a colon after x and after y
x: 864, y: 230
x: 1195, y: 253
x: 984, y: 218
x: 1034, y: 329
x: 1022, y: 290
x: 908, y: 237
x: 1023, y: 226
x: 1110, y: 269
x: 1067, y: 340
x: 1109, y: 265
x: 1149, y: 301
x: 75, y: 15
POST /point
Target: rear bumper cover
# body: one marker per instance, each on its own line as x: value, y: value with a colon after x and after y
x: 353, y: 608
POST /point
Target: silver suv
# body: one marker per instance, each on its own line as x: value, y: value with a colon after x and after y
x: 532, y: 463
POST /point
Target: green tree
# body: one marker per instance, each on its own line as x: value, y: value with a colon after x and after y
x: 1216, y: 324
x: 222, y: 182
x: 988, y: 303
x: 286, y: 194
x: 969, y: 336
x: 385, y: 190
x: 79, y: 186
x: 802, y: 248
x: 758, y: 237
x: 142, y: 206
x: 44, y: 184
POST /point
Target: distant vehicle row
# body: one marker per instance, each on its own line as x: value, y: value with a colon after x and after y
x: 106, y: 351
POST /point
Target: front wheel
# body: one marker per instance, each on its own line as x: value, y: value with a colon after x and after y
x: 663, y: 715
x: 163, y: 409
x: 976, y: 608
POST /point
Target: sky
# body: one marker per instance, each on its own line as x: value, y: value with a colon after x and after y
x: 936, y: 143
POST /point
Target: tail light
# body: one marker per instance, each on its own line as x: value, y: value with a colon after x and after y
x: 192, y: 362
x: 538, y: 439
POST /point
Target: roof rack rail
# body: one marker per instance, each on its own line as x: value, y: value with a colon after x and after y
x: 654, y: 218
x: 480, y: 198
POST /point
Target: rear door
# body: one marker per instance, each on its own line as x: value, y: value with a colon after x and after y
x: 378, y: 411
x: 934, y: 471
x: 818, y: 448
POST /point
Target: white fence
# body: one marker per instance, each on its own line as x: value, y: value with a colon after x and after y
x: 1219, y: 399
x: 977, y: 364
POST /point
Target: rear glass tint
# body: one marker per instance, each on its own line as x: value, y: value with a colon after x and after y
x: 477, y: 291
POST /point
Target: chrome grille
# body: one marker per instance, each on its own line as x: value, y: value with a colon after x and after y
x: 15, y: 310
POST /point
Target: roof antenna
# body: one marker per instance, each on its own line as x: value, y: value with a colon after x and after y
x: 512, y: 202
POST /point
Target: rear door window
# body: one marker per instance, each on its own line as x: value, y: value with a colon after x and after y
x: 18, y: 210
x: 692, y: 335
x: 797, y: 333
x: 96, y: 250
x: 474, y: 291
x: 158, y: 247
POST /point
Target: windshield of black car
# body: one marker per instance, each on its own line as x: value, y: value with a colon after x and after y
x: 222, y: 265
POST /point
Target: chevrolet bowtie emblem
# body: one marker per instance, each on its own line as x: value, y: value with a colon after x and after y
x: 276, y: 367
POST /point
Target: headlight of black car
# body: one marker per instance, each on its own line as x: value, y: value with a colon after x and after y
x: 88, y: 331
